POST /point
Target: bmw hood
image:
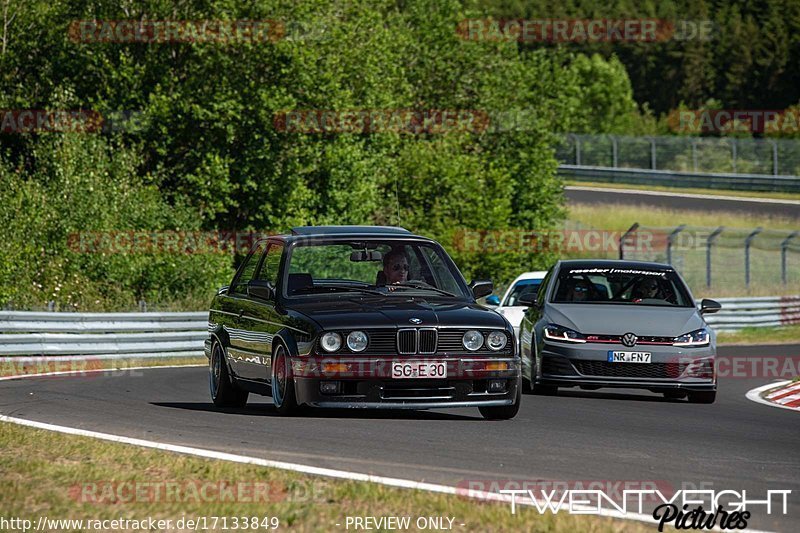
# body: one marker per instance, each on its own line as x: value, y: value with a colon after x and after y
x: 403, y: 312
x: 604, y: 319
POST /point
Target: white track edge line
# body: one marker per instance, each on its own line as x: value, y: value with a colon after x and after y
x: 685, y: 195
x: 754, y: 395
x: 304, y: 469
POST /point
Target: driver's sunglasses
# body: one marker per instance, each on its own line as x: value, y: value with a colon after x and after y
x: 581, y: 289
x: 398, y: 266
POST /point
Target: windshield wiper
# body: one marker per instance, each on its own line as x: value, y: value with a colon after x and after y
x: 421, y: 285
x: 334, y: 288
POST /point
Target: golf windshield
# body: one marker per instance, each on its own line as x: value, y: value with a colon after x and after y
x: 633, y: 286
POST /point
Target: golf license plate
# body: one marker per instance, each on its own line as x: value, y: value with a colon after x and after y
x: 629, y: 357
x: 419, y: 369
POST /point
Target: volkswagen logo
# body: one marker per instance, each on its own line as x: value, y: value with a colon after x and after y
x: 416, y: 320
x: 629, y: 340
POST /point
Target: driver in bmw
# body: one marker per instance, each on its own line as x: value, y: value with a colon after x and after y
x: 395, y: 266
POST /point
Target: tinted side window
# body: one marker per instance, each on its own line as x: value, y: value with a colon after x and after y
x: 248, y: 269
x: 272, y: 263
x: 543, y: 289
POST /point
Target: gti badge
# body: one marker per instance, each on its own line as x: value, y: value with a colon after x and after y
x: 415, y: 320
x: 629, y: 340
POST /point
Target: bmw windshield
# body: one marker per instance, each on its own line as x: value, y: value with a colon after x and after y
x: 372, y: 266
x: 659, y: 287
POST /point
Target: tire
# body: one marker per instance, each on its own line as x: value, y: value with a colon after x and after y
x: 503, y: 412
x: 702, y: 396
x: 282, y: 384
x: 224, y: 393
x: 529, y: 385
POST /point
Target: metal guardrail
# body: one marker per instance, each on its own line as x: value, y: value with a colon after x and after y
x: 765, y: 311
x: 669, y: 178
x: 144, y: 335
x: 102, y: 335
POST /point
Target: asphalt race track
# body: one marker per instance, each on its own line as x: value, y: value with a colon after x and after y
x: 666, y: 200
x: 733, y: 444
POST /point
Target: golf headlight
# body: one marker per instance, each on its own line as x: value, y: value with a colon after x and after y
x: 331, y: 342
x: 699, y: 337
x: 357, y: 341
x: 496, y: 340
x: 554, y: 332
x: 473, y: 340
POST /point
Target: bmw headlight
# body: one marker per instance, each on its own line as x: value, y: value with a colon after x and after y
x: 357, y: 341
x: 699, y: 337
x: 473, y: 340
x: 554, y: 332
x: 331, y: 342
x: 496, y: 340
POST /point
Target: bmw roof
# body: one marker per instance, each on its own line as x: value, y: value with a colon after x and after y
x: 348, y: 230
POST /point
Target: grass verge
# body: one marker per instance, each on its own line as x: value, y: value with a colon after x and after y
x: 710, y: 192
x: 620, y: 217
x: 757, y: 335
x: 63, y: 476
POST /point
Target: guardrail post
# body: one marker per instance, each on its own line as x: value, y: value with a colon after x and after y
x: 709, y: 243
x: 624, y: 238
x: 652, y: 153
x: 671, y: 239
x: 51, y: 306
x: 747, y: 243
x: 774, y: 158
x: 614, y: 152
x: 577, y: 151
x: 784, y: 248
x: 142, y: 306
x: 694, y: 155
x: 733, y: 154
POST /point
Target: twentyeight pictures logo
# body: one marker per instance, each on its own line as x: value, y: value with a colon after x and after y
x: 681, y: 509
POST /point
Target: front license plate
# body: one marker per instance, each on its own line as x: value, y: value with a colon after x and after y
x: 418, y: 370
x: 629, y: 357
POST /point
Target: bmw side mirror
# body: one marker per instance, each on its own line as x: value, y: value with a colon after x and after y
x: 709, y: 306
x: 493, y: 300
x: 481, y: 288
x: 258, y: 288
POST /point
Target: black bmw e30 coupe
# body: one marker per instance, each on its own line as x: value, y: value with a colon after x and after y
x: 359, y: 316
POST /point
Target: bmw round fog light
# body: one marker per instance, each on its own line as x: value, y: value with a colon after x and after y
x: 329, y: 387
x: 497, y: 385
